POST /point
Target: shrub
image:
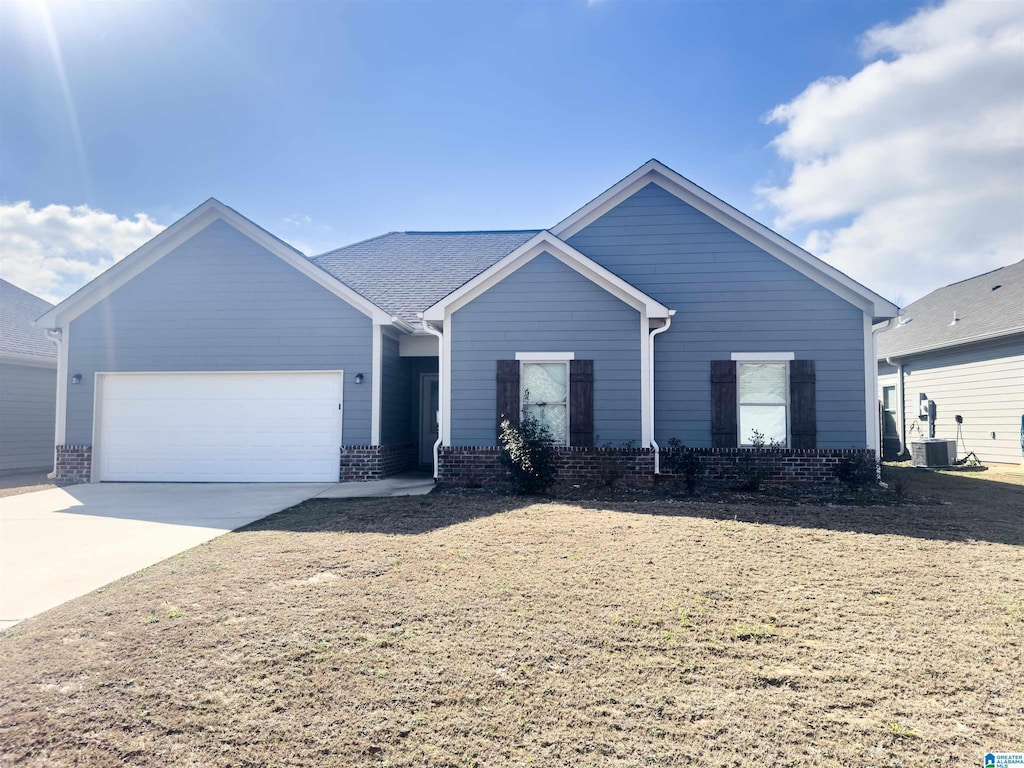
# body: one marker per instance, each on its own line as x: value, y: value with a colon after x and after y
x: 527, y: 454
x: 755, y: 465
x: 857, y: 470
x: 683, y: 463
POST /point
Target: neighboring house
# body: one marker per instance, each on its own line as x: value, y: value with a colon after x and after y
x: 28, y: 383
x: 657, y: 311
x: 962, y: 348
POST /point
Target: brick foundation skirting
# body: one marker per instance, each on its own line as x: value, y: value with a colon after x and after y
x: 635, y: 466
x: 74, y: 464
x: 374, y: 462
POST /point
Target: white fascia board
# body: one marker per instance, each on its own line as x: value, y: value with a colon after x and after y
x: 545, y: 242
x: 33, y: 361
x: 789, y: 253
x: 178, y: 233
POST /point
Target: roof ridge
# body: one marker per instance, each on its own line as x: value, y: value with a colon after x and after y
x: 26, y: 292
x: 466, y: 231
x: 976, y: 277
x: 350, y: 245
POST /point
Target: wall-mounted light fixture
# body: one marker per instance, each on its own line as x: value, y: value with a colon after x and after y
x: 76, y: 379
x: 359, y: 378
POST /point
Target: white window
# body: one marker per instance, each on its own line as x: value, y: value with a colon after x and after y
x: 544, y: 395
x: 763, y: 394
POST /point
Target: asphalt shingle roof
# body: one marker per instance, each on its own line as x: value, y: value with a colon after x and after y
x: 982, y: 309
x: 18, y: 309
x: 406, y: 272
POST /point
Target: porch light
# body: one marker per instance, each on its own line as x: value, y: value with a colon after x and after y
x: 76, y: 379
x: 359, y: 378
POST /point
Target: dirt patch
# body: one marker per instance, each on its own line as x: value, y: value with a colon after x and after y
x: 452, y: 631
x: 25, y: 482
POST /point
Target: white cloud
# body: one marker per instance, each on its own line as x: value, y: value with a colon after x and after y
x: 910, y: 174
x: 53, y: 251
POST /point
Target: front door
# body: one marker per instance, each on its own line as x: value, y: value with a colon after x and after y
x: 428, y: 417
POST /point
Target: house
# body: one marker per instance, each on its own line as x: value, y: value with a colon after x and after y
x: 656, y: 311
x: 961, y: 348
x: 28, y: 383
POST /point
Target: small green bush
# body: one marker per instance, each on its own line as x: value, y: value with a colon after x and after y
x: 683, y: 463
x: 857, y: 471
x: 527, y: 453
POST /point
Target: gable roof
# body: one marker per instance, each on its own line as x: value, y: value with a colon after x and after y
x: 545, y: 242
x: 983, y: 312
x: 176, y: 234
x: 406, y: 272
x: 789, y: 253
x: 18, y: 336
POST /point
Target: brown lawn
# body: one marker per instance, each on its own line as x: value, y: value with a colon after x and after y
x: 476, y: 630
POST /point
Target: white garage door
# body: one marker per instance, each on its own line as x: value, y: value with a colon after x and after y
x: 219, y: 427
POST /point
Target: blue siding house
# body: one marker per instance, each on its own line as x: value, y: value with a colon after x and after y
x: 655, y: 312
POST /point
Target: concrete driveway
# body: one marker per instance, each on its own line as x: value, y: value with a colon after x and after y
x: 60, y: 543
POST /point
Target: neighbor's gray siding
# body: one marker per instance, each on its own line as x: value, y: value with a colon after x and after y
x: 220, y: 302
x: 396, y: 389
x: 984, y: 384
x: 730, y: 296
x: 28, y: 404
x: 545, y: 307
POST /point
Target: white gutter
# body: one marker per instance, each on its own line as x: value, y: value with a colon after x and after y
x: 440, y: 372
x: 56, y: 335
x: 902, y: 433
x: 877, y: 439
x: 650, y: 352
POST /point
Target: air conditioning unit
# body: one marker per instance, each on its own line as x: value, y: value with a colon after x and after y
x: 933, y: 452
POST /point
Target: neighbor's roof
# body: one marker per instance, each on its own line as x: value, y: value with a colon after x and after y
x: 18, y: 309
x: 406, y: 272
x: 987, y: 306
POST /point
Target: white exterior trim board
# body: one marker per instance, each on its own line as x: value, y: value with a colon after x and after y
x: 545, y: 357
x: 763, y: 357
x: 545, y: 242
x: 731, y: 218
x: 180, y: 232
x: 34, y: 361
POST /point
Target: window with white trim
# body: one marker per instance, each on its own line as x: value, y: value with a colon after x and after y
x: 763, y: 398
x: 544, y: 395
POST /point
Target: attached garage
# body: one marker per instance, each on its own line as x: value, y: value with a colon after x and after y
x: 245, y: 426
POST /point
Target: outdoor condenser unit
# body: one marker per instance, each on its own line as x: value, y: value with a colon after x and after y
x: 933, y: 452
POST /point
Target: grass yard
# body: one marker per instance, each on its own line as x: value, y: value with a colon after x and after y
x: 486, y: 631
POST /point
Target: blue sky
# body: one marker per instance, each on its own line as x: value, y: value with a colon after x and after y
x: 330, y: 122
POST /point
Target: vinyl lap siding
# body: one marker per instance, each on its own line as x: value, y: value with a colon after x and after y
x: 729, y: 296
x: 545, y: 306
x: 396, y: 389
x: 220, y: 302
x: 28, y: 404
x: 983, y: 384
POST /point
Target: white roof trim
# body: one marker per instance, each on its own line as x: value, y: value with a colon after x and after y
x: 789, y: 253
x: 35, y: 361
x: 179, y: 232
x: 545, y: 242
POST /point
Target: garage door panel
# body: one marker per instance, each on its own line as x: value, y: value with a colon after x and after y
x: 223, y: 427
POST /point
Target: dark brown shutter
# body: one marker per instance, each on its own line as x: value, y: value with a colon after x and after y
x: 581, y: 403
x: 723, y: 404
x: 803, y: 404
x: 508, y: 392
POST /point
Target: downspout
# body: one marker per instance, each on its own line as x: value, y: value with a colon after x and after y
x: 874, y: 388
x: 440, y: 400
x: 650, y: 368
x: 902, y: 433
x: 56, y: 335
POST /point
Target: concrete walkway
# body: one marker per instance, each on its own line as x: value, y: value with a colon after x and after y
x: 59, y: 543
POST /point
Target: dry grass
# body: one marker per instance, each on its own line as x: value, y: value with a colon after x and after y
x: 453, y: 631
